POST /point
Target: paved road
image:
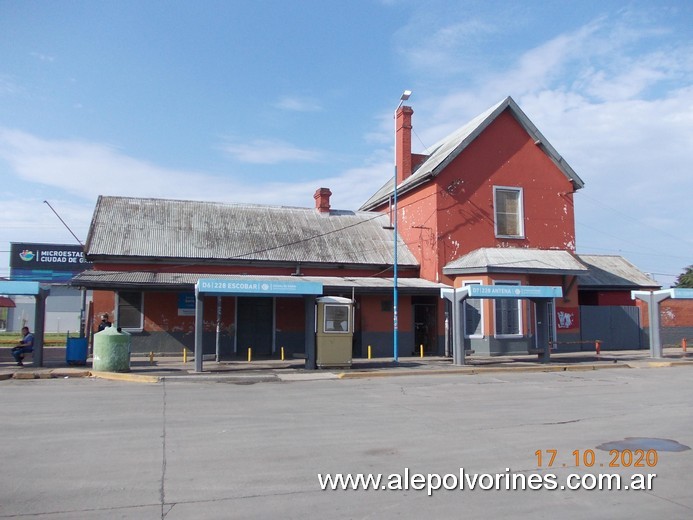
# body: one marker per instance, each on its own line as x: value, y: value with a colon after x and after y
x: 97, y: 449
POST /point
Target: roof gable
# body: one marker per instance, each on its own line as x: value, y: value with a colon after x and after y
x: 134, y: 229
x: 446, y: 150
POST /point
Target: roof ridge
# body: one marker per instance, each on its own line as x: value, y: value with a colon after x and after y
x: 227, y: 204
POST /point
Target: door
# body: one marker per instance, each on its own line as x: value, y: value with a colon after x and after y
x: 425, y: 330
x: 255, y: 324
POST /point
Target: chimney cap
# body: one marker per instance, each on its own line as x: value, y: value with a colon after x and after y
x: 322, y: 200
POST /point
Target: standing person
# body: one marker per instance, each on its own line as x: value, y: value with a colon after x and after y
x: 104, y: 322
x: 26, y: 345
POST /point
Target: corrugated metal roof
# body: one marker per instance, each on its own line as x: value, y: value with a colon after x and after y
x: 143, y: 279
x: 515, y: 260
x: 451, y: 146
x: 613, y: 271
x: 239, y: 233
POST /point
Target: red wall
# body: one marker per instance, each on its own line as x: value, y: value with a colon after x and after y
x: 290, y: 314
x: 672, y: 313
x: 418, y: 227
x: 454, y: 214
x: 503, y: 155
x: 620, y: 298
x: 212, y: 269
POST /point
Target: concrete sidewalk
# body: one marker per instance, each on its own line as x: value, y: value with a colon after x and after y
x: 241, y: 371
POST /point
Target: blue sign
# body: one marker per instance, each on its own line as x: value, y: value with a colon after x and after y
x: 55, y: 263
x: 186, y: 304
x: 514, y: 291
x: 683, y: 294
x: 21, y: 288
x: 256, y: 287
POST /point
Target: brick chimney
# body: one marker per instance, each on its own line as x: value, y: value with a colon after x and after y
x: 322, y: 200
x: 403, y: 156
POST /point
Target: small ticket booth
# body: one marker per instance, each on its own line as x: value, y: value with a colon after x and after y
x: 334, y: 332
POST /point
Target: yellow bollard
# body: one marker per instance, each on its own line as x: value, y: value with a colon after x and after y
x: 151, y: 358
x: 420, y: 350
x: 282, y: 353
x: 185, y: 355
x: 250, y: 354
x: 369, y: 352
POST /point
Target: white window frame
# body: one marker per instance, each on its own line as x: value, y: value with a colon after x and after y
x: 520, y: 207
x: 481, y: 311
x: 130, y: 329
x: 348, y: 320
x: 518, y: 301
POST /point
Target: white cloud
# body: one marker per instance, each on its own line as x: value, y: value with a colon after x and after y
x: 7, y: 86
x: 43, y: 57
x: 614, y: 98
x: 85, y: 170
x: 269, y: 151
x: 298, y: 104
x: 88, y: 169
x: 449, y: 47
x: 72, y: 173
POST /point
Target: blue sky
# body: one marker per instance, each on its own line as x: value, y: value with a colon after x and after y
x: 265, y: 101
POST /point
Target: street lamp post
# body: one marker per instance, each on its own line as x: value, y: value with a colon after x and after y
x: 405, y: 95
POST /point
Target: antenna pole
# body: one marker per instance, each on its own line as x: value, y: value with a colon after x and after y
x: 61, y: 220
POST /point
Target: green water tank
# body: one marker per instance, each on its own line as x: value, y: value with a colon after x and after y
x: 111, y: 351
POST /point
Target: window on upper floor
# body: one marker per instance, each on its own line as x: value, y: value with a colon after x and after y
x: 509, y: 217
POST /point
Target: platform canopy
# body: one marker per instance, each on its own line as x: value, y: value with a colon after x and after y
x: 541, y: 295
x: 23, y: 288
x: 653, y: 299
x: 40, y: 293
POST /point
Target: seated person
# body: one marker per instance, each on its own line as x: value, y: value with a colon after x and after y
x: 26, y: 345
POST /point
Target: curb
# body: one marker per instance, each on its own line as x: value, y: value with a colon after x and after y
x: 271, y: 376
x: 126, y: 376
x: 479, y: 370
x: 663, y: 364
x: 57, y: 373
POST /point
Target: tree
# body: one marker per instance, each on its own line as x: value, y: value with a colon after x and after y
x: 685, y: 279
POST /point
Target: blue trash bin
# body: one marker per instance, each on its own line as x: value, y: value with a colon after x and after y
x: 76, y: 351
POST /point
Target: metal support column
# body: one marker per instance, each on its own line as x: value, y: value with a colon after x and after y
x: 456, y: 297
x: 458, y: 357
x: 199, y: 329
x: 311, y: 355
x: 39, y: 327
x: 218, y: 333
x: 653, y: 299
x: 543, y: 322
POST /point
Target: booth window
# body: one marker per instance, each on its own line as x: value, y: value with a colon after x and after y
x: 130, y: 316
x: 507, y: 204
x: 336, y: 318
x: 508, y: 314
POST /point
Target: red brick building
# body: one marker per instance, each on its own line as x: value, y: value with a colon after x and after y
x: 491, y: 204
